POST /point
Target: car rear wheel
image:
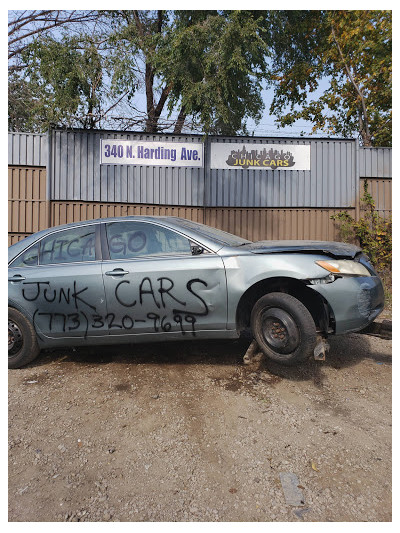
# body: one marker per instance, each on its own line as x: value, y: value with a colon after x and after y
x: 22, y: 342
x: 283, y: 328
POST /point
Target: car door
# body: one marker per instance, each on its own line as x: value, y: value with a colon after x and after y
x: 155, y: 285
x: 58, y: 283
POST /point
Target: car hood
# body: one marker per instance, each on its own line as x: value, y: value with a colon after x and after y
x: 334, y: 249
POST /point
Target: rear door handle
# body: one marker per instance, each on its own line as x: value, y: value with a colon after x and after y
x: 117, y: 272
x: 16, y: 277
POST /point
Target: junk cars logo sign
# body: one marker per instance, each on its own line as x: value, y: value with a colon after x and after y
x: 260, y: 156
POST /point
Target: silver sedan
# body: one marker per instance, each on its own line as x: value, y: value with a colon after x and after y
x: 146, y: 279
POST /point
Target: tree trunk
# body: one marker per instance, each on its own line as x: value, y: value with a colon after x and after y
x: 180, y: 121
x: 149, y: 79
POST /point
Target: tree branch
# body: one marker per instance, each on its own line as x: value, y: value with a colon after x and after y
x: 365, y: 121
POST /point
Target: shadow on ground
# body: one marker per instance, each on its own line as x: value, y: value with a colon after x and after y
x: 345, y: 351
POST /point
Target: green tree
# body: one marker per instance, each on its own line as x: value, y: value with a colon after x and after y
x: 75, y: 78
x: 216, y: 63
x: 68, y: 75
x: 351, y: 49
x: 203, y: 69
x: 207, y: 64
x: 23, y: 114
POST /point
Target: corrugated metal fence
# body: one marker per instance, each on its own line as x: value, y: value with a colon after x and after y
x: 58, y: 178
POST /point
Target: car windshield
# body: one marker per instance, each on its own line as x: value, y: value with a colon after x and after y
x: 215, y: 234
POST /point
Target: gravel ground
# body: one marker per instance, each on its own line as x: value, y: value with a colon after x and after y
x: 185, y: 432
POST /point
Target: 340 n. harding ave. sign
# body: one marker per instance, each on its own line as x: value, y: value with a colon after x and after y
x: 130, y: 152
x: 260, y: 156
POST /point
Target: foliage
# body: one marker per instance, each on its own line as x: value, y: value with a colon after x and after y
x: 215, y: 63
x: 207, y: 64
x: 74, y: 78
x: 202, y: 69
x: 351, y: 50
x: 372, y: 231
x: 23, y: 25
x: 67, y: 77
x: 23, y: 106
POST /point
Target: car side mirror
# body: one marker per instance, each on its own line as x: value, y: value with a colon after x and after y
x: 196, y: 249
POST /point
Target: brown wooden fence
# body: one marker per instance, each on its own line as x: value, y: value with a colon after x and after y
x: 28, y: 209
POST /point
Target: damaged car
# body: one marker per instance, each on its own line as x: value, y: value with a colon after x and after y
x: 145, y: 279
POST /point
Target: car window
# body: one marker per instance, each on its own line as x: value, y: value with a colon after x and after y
x: 215, y: 234
x: 135, y: 239
x: 28, y: 258
x: 69, y: 246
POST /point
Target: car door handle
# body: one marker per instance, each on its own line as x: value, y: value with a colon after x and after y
x: 17, y: 277
x: 117, y: 272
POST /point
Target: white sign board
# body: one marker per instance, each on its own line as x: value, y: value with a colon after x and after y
x: 260, y: 156
x: 165, y: 154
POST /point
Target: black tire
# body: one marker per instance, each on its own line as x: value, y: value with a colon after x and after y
x: 22, y: 342
x: 283, y: 328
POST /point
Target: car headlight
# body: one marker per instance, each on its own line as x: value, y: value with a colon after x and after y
x: 344, y: 266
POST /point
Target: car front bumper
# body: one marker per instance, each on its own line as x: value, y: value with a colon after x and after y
x: 355, y: 301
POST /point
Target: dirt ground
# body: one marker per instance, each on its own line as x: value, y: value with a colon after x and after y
x: 186, y: 432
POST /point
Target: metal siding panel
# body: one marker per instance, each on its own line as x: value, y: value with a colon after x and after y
x: 287, y: 200
x: 186, y: 198
x: 337, y: 177
x: 57, y: 167
x: 330, y: 181
x: 69, y: 174
x: 348, y: 191
x: 329, y: 200
x: 23, y: 150
x: 375, y: 162
x: 44, y: 139
x: 80, y: 175
x: 138, y: 190
x: 316, y: 169
x: 36, y: 150
x: 388, y: 163
x: 148, y: 185
x: 178, y: 185
x: 11, y: 147
x: 282, y: 189
x: 91, y: 189
x: 101, y: 175
x: 362, y: 162
x: 63, y: 175
x: 380, y: 161
x: 294, y: 189
x: 174, y: 189
x: 339, y: 173
x: 313, y: 180
x: 198, y: 191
